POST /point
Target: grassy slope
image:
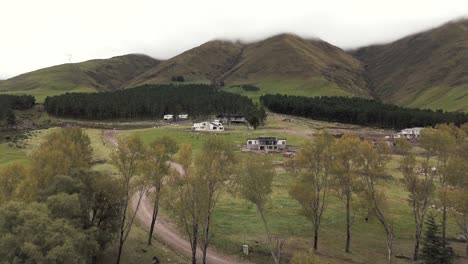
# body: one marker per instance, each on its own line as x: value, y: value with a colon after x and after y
x: 308, y: 87
x: 289, y: 58
x: 428, y: 69
x: 446, y: 98
x: 201, y: 64
x: 283, y: 63
x: 89, y: 76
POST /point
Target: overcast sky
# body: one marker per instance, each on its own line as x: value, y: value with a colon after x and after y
x: 36, y: 34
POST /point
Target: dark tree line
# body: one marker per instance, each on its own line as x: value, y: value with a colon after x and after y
x: 359, y: 111
x: 8, y: 103
x: 151, y: 101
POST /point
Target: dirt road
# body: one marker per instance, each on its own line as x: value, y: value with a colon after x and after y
x: 167, y: 232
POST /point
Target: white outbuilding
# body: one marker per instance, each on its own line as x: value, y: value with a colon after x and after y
x: 214, y: 126
x: 168, y: 117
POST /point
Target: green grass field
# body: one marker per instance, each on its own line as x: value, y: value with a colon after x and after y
x: 236, y: 222
x: 449, y: 99
x: 309, y: 87
x: 41, y: 93
x: 10, y: 154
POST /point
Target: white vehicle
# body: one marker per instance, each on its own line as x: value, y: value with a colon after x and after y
x: 183, y: 116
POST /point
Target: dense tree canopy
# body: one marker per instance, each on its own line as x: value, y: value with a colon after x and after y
x: 55, y: 209
x: 150, y: 101
x: 8, y: 103
x: 359, y: 111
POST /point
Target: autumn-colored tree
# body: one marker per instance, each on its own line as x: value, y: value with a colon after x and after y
x: 214, y: 167
x: 28, y: 234
x: 155, y: 167
x: 346, y: 166
x: 127, y: 159
x: 420, y: 188
x: 458, y: 200
x: 457, y: 177
x: 439, y: 144
x: 187, y: 197
x: 10, y: 178
x: 254, y: 184
x: 62, y: 151
x: 374, y: 160
x: 312, y: 168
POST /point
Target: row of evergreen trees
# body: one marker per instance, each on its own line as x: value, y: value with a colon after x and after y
x: 8, y: 103
x: 359, y: 111
x: 151, y: 101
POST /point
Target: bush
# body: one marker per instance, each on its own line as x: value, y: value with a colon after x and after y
x: 250, y: 88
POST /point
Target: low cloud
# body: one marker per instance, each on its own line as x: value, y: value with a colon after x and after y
x: 44, y: 33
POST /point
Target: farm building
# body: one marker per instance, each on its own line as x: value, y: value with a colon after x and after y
x: 409, y: 133
x: 266, y: 144
x: 208, y: 126
x: 183, y: 116
x: 227, y: 119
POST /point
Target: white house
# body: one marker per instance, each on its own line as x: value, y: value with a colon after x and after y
x: 208, y: 126
x: 266, y: 144
x: 168, y: 117
x: 183, y: 116
x: 409, y: 133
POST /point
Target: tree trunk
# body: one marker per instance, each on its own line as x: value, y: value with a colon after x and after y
x: 155, y: 215
x: 206, y: 238
x: 416, y: 244
x: 444, y: 224
x: 122, y: 231
x: 119, y: 252
x: 389, y: 245
x: 270, y: 242
x: 348, y: 222
x: 207, y: 229
x: 194, y: 244
x: 466, y: 250
x: 315, y: 238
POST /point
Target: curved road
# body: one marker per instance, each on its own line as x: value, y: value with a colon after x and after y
x: 167, y: 232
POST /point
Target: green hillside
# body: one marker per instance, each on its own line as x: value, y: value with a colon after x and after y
x: 202, y: 64
x: 89, y: 76
x: 284, y: 63
x: 428, y: 70
x: 288, y: 63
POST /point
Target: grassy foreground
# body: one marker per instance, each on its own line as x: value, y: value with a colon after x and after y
x: 237, y: 223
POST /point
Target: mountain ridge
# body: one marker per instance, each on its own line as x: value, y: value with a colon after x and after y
x: 426, y: 70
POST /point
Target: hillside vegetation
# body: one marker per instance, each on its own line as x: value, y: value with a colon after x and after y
x: 428, y: 70
x: 201, y: 64
x: 424, y: 70
x: 88, y: 76
x: 302, y: 67
x: 152, y: 102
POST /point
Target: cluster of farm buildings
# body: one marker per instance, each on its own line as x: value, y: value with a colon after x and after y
x: 269, y: 144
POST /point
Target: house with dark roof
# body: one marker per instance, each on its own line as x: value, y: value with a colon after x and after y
x: 267, y: 144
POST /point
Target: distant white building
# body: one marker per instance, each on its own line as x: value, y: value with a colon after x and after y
x: 183, y: 116
x: 208, y: 126
x: 409, y: 133
x: 267, y: 144
x: 168, y: 117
